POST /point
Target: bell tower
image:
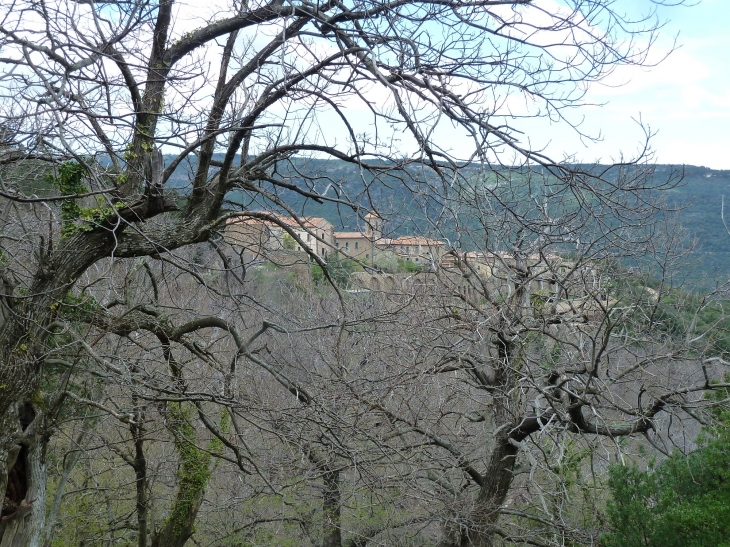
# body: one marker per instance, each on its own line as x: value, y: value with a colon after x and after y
x: 374, y: 226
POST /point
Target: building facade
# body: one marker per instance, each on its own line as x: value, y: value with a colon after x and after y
x: 279, y: 233
x: 420, y: 250
x: 317, y: 235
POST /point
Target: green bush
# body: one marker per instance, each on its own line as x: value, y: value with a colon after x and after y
x: 682, y: 502
x: 389, y: 262
x: 339, y: 269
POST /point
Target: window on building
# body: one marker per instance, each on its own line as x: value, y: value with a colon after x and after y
x: 309, y: 237
x: 367, y: 255
x: 347, y: 245
x: 408, y: 250
x: 356, y: 245
x: 337, y: 244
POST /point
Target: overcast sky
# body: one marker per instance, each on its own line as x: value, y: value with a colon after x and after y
x: 686, y: 99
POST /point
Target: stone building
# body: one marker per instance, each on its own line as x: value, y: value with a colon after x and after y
x: 260, y: 236
x: 420, y: 250
x: 355, y: 244
x: 361, y: 245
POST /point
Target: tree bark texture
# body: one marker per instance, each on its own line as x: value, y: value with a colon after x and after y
x: 24, y: 525
x: 331, y: 510
x: 497, y: 479
x: 492, y: 494
x: 193, y: 476
x: 140, y: 472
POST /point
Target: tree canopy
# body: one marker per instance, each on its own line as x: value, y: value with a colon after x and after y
x: 159, y: 377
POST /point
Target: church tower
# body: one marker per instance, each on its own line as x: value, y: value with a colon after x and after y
x: 374, y: 226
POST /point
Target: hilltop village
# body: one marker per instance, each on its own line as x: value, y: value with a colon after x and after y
x: 270, y: 235
x: 290, y: 242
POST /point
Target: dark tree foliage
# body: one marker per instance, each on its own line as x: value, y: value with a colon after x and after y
x: 684, y: 501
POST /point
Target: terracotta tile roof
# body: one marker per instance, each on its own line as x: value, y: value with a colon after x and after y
x: 413, y: 240
x: 322, y: 223
x: 476, y: 255
x: 350, y: 235
x: 308, y: 222
x: 249, y: 221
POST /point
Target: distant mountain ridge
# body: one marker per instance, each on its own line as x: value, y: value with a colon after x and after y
x: 699, y: 195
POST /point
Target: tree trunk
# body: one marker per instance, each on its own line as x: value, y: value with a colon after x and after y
x: 492, y: 494
x: 24, y: 517
x: 193, y: 475
x: 497, y: 479
x: 23, y: 338
x: 178, y: 528
x: 331, y: 507
x: 140, y: 473
x: 70, y: 462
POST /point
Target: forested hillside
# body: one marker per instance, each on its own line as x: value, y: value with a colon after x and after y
x: 696, y: 192
x: 700, y: 197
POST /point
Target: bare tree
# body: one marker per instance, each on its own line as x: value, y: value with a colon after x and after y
x: 94, y: 93
x: 536, y: 352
